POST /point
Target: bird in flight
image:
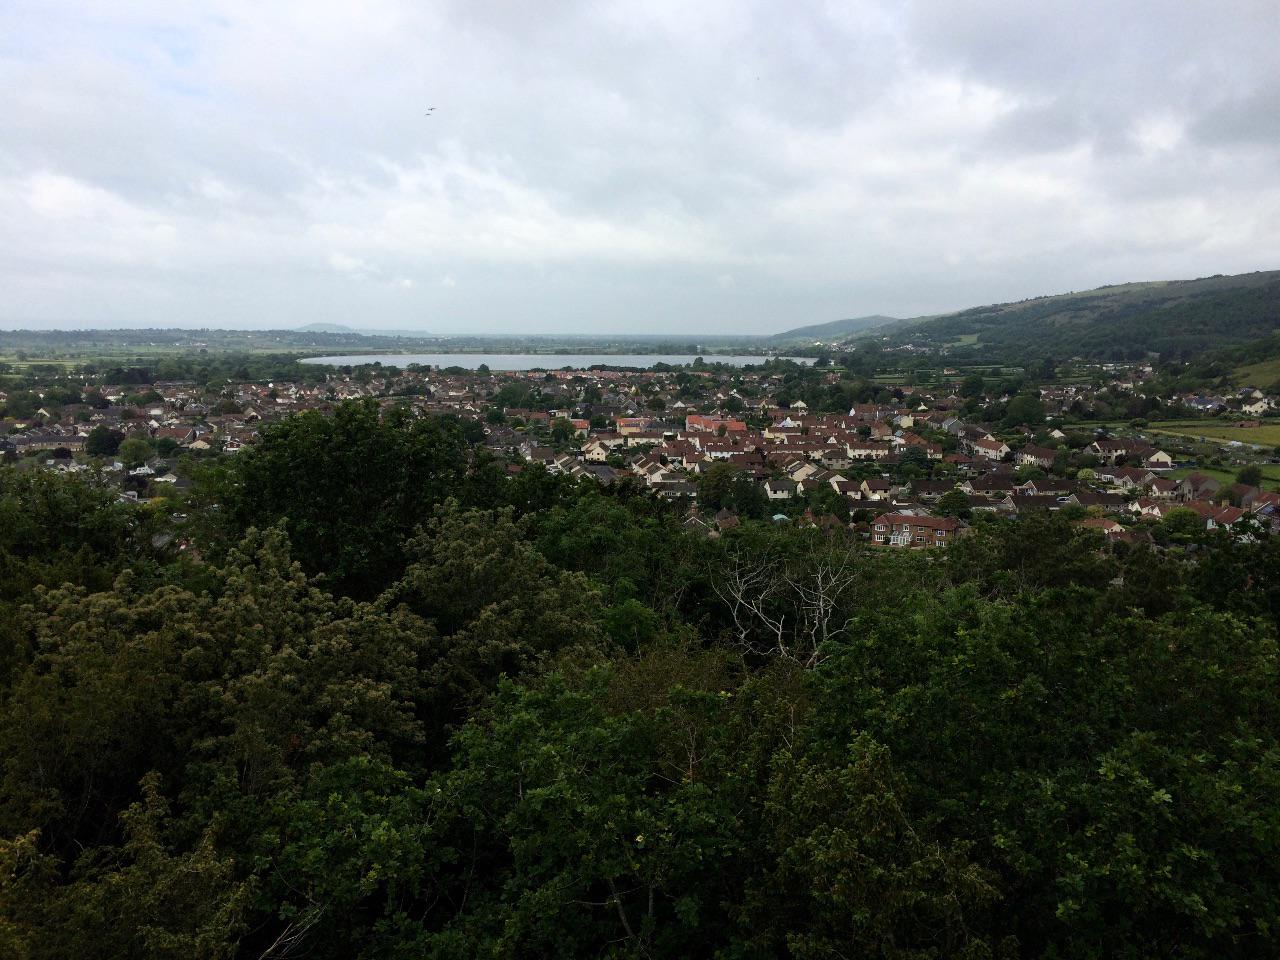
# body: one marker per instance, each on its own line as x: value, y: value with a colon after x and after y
x: 430, y: 111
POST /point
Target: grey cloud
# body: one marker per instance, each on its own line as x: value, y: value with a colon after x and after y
x: 599, y: 166
x: 1253, y: 118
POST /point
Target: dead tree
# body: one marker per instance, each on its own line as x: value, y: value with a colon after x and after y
x: 790, y: 609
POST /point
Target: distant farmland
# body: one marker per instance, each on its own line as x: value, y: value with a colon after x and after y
x: 1266, y: 435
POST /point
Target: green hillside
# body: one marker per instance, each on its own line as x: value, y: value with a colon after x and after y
x: 1175, y: 319
x: 834, y: 329
x: 326, y: 328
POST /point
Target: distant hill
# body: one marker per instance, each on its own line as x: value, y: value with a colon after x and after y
x: 835, y: 329
x: 1178, y: 319
x: 326, y: 328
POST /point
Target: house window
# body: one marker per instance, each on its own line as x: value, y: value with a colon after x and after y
x: 879, y: 526
x: 919, y: 539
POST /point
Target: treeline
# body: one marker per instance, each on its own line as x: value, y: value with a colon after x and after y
x: 213, y: 371
x: 32, y: 390
x: 367, y: 697
x: 211, y: 368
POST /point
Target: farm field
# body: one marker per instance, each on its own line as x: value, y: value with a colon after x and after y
x: 1222, y: 476
x: 1267, y: 435
x: 1270, y: 474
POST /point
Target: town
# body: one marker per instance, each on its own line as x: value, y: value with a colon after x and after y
x: 901, y: 465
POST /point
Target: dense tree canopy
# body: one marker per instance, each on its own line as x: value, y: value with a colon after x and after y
x: 390, y: 703
x: 349, y: 488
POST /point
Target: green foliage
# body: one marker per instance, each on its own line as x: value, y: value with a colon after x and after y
x: 140, y: 900
x: 1251, y: 475
x: 56, y: 530
x: 103, y: 442
x: 1182, y: 524
x: 1176, y: 320
x: 561, y: 430
x: 1024, y: 410
x: 862, y: 877
x: 533, y: 717
x: 725, y: 486
x: 953, y: 503
x: 973, y: 386
x: 135, y: 451
x: 349, y: 488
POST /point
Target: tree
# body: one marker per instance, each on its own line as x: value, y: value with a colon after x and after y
x: 1250, y: 475
x: 1028, y: 471
x: 21, y: 405
x: 825, y: 500
x: 790, y: 607
x: 1026, y: 409
x: 498, y: 606
x: 973, y: 386
x: 139, y: 901
x: 554, y: 723
x: 860, y: 878
x: 953, y: 503
x: 914, y: 458
x: 1182, y: 523
x: 725, y: 485
x: 349, y: 488
x: 135, y: 451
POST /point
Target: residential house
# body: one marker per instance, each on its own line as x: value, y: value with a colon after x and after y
x: 1198, y: 486
x: 907, y: 530
x: 780, y: 489
x: 1042, y: 457
x: 990, y: 448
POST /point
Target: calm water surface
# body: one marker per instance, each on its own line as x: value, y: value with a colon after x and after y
x: 534, y: 361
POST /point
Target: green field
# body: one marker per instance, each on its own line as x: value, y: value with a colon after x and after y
x: 1261, y: 374
x: 1222, y: 476
x: 1267, y: 435
x: 17, y: 364
x: 1270, y: 474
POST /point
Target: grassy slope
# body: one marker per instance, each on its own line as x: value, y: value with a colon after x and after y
x: 1175, y: 318
x: 834, y: 329
x: 1261, y: 374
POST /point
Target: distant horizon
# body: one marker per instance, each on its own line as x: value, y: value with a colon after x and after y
x: 601, y: 168
x: 682, y: 336
x: 377, y: 332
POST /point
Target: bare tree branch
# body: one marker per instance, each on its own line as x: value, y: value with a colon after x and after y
x: 792, y: 610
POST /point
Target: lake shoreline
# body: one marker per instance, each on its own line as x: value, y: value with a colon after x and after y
x: 524, y: 362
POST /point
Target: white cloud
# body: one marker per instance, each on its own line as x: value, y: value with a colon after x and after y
x: 351, y: 266
x: 589, y: 166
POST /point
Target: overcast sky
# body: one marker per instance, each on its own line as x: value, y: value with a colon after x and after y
x: 646, y: 166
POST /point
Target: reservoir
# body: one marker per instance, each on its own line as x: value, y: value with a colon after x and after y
x: 516, y: 362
